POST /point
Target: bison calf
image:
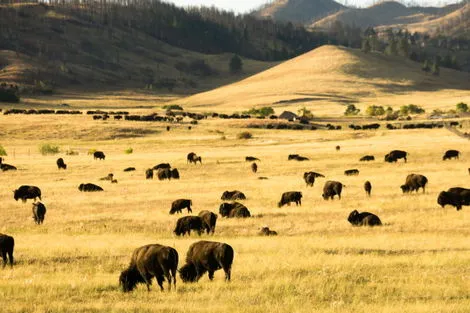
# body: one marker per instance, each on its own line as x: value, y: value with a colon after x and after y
x: 364, y: 219
x: 368, y: 187
x: 186, y: 224
x: 39, y: 211
x: 290, y: 196
x: 61, y: 164
x: 7, y: 244
x: 178, y: 205
x: 265, y: 231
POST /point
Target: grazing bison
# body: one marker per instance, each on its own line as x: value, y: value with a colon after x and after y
x: 450, y: 154
x: 265, y: 231
x: 351, y: 172
x: 164, y: 173
x: 178, y: 205
x: 162, y: 165
x: 297, y: 157
x: 149, y: 174
x: 7, y: 244
x: 89, y: 187
x: 364, y: 219
x: 39, y: 211
x: 6, y: 167
x: 309, y: 179
x: 235, y: 209
x: 414, y: 182
x: 61, y: 164
x: 233, y: 195
x: 332, y: 188
x: 129, y: 169
x: 367, y: 158
x: 27, y: 192
x: 368, y: 187
x: 251, y: 159
x: 456, y: 197
x: 193, y: 158
x: 187, y: 223
x: 394, y: 155
x: 290, y: 196
x: 207, y: 256
x: 99, y: 155
x: 209, y: 220
x: 254, y: 167
x: 175, y: 174
x: 147, y: 262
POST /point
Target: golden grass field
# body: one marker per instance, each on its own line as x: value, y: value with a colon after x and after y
x: 419, y: 261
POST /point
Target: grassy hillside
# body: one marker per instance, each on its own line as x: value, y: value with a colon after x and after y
x: 328, y: 78
x: 417, y: 262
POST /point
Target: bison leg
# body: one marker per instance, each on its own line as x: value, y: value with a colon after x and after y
x: 190, y: 210
x: 4, y: 256
x: 160, y: 280
x: 211, y: 274
x: 10, y: 256
x: 228, y: 273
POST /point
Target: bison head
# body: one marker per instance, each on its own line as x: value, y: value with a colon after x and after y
x: 352, y: 218
x: 81, y: 187
x: 443, y: 198
x: 225, y: 195
x: 225, y: 209
x: 16, y: 194
x: 405, y: 188
x: 129, y: 279
x: 189, y: 273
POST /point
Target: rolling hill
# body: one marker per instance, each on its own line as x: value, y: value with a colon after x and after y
x: 328, y: 78
x: 298, y: 11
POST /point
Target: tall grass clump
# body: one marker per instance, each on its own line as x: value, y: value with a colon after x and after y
x: 129, y: 150
x: 3, y: 152
x: 245, y: 135
x: 47, y: 149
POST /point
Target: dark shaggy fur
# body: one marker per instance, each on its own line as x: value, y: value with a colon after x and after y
x: 7, y: 244
x: 351, y: 172
x: 175, y: 174
x: 61, y: 164
x: 451, y: 154
x: 364, y: 219
x: 367, y: 158
x: 209, y: 220
x: 233, y: 195
x: 251, y: 159
x: 89, y: 187
x: 149, y: 173
x: 178, y: 205
x: 290, y: 196
x: 162, y: 165
x: 254, y: 167
x: 456, y: 196
x: 27, y: 192
x: 147, y: 262
x: 394, y: 155
x: 309, y: 179
x: 164, y: 173
x: 129, y: 169
x: 187, y: 223
x: 39, y: 211
x: 414, y: 182
x: 99, y: 155
x: 265, y: 231
x: 6, y: 167
x: 331, y: 189
x: 234, y: 209
x: 193, y: 158
x: 368, y: 187
x: 207, y: 256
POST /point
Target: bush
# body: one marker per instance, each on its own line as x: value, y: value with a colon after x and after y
x: 71, y: 152
x: 3, y: 152
x: 128, y: 150
x: 245, y: 135
x: 264, y: 111
x: 91, y: 151
x: 9, y: 93
x: 47, y: 149
x: 235, y: 64
x: 375, y: 110
x: 351, y: 110
x: 462, y: 107
x: 411, y: 109
x: 172, y: 107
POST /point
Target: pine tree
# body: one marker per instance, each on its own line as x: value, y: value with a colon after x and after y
x: 236, y: 64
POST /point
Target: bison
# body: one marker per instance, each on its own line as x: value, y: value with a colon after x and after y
x: 234, y: 209
x: 187, y: 223
x: 297, y: 157
x: 456, y: 196
x: 363, y: 219
x: 129, y: 169
x: 290, y: 196
x: 265, y: 231
x: 251, y: 159
x: 147, y: 262
x: 449, y: 154
x: 6, y: 167
x: 193, y: 158
x: 178, y: 205
x: 39, y: 211
x: 309, y: 179
x: 61, y: 164
x: 7, y: 244
x: 109, y: 177
x: 338, y: 148
x: 368, y: 187
x: 394, y: 155
x: 414, y: 182
x: 149, y: 173
x: 209, y: 219
x: 99, y: 155
x: 332, y: 188
x: 27, y: 192
x: 233, y: 195
x: 367, y: 158
x: 315, y: 174
x: 164, y: 173
x: 207, y: 256
x: 89, y: 187
x: 254, y: 167
x: 354, y: 172
x: 175, y: 174
x: 162, y: 165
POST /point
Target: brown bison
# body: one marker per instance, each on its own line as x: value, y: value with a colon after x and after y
x: 186, y: 224
x: 175, y: 174
x: 129, y: 169
x: 251, y: 159
x: 367, y: 158
x: 265, y: 231
x: 338, y: 148
x: 161, y: 165
x: 309, y: 179
x: 207, y: 256
x: 7, y: 244
x: 27, y: 192
x: 234, y: 209
x: 147, y: 262
x: 164, y: 173
x: 394, y: 155
x: 368, y: 187
x: 414, y: 182
x: 6, y: 167
x: 451, y: 154
x: 364, y: 219
x: 332, y: 188
x: 254, y: 167
x: 109, y: 177
x: 193, y: 158
x: 297, y: 157
x: 178, y: 205
x: 209, y: 220
x: 456, y: 196
x: 354, y: 172
x: 233, y: 195
x: 89, y: 187
x: 290, y: 196
x: 39, y: 211
x: 149, y: 173
x: 99, y: 155
x: 61, y: 164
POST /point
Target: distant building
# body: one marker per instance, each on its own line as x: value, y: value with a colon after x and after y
x: 287, y: 115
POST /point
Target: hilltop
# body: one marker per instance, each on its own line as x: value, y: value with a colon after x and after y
x: 328, y: 78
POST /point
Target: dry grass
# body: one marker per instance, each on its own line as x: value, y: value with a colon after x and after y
x: 417, y: 262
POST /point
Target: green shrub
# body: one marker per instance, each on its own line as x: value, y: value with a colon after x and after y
x: 462, y: 107
x: 128, y: 150
x: 264, y: 111
x: 91, y: 151
x: 47, y: 149
x: 375, y: 110
x: 411, y: 109
x: 173, y: 107
x: 3, y: 151
x: 245, y: 135
x: 351, y: 110
x: 71, y: 152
